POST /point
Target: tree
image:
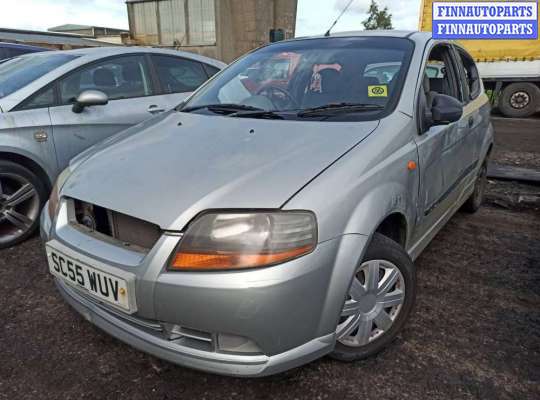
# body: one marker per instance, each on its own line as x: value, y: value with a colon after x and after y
x: 378, y: 19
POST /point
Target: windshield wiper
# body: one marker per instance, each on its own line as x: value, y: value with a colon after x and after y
x: 257, y: 114
x: 338, y: 108
x: 225, y: 108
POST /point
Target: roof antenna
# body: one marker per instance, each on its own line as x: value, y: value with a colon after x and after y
x: 337, y: 19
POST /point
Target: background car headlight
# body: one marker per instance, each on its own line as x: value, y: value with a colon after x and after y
x: 55, y: 192
x: 217, y: 241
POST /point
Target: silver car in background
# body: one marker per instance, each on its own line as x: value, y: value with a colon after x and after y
x: 53, y: 105
x: 274, y: 218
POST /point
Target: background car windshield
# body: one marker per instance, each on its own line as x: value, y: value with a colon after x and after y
x: 302, y: 74
x: 19, y: 72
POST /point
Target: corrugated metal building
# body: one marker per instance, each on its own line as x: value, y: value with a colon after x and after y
x: 222, y: 29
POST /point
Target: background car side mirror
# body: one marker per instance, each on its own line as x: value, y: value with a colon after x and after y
x: 445, y: 109
x: 89, y: 98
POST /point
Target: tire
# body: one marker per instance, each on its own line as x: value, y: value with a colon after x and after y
x: 519, y: 100
x: 474, y: 202
x: 381, y: 253
x: 22, y: 196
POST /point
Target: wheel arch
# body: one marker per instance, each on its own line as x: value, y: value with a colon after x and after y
x: 29, y: 163
x: 394, y: 226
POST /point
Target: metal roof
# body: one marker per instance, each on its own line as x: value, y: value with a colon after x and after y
x: 23, y: 36
x: 75, y: 27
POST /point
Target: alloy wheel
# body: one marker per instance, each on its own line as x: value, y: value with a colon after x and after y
x: 19, y: 207
x: 374, y: 301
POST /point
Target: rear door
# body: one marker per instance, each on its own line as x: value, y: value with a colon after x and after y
x: 178, y: 77
x: 128, y: 83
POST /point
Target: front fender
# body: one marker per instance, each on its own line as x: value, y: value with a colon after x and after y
x: 379, y: 203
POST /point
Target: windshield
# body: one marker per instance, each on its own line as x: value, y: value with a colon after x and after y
x: 18, y: 72
x: 363, y: 76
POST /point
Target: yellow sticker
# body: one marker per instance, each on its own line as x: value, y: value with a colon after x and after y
x: 377, y: 91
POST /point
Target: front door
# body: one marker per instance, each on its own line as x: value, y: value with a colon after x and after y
x: 132, y: 99
x: 443, y: 153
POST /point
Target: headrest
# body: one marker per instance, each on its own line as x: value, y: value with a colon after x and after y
x: 131, y: 73
x: 103, y: 77
x: 436, y: 85
x: 330, y: 80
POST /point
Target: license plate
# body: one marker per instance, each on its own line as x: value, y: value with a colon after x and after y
x: 99, y: 284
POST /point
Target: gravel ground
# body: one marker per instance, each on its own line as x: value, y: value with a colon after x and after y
x: 474, y: 334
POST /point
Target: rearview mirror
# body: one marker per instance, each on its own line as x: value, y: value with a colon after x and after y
x: 445, y: 109
x: 89, y: 98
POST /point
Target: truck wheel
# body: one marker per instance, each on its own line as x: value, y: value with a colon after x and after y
x: 520, y: 100
x: 380, y: 299
x: 22, y: 195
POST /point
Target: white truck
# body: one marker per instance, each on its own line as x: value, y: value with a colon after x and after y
x: 510, y: 69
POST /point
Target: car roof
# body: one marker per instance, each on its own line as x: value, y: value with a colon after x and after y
x: 94, y: 53
x: 6, y: 45
x: 416, y: 36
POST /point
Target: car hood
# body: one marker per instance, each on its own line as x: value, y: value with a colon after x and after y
x: 170, y: 170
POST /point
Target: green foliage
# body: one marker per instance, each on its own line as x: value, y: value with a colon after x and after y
x: 378, y: 19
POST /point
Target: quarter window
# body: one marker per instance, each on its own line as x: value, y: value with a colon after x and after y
x: 119, y: 78
x: 42, y: 99
x: 178, y: 75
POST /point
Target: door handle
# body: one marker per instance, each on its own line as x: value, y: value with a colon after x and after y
x: 471, y: 122
x: 155, y: 109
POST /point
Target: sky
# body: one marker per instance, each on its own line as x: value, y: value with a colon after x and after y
x: 314, y: 16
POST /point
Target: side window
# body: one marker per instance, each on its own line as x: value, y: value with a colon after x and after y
x: 440, y: 75
x: 210, y: 70
x: 42, y: 99
x: 120, y: 78
x: 471, y: 75
x: 178, y: 75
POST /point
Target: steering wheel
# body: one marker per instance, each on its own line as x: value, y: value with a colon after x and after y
x: 278, y: 96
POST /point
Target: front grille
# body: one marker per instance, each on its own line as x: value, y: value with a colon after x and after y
x: 121, y: 227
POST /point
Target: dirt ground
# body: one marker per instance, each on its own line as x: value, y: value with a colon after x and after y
x: 474, y: 334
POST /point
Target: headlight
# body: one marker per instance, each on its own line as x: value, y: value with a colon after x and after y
x: 55, y: 192
x: 221, y: 241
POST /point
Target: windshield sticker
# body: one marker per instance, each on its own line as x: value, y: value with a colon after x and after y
x: 378, y: 91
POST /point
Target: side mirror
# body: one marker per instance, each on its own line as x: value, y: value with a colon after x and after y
x: 445, y: 109
x: 89, y: 98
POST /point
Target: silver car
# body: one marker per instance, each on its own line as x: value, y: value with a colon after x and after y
x: 54, y: 105
x: 269, y: 221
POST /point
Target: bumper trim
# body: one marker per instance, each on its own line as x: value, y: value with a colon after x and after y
x: 219, y: 363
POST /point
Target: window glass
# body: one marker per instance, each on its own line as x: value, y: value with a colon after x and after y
x: 210, y: 70
x: 383, y: 72
x: 21, y: 71
x: 39, y: 100
x: 439, y: 74
x: 293, y: 76
x: 178, y: 75
x: 119, y: 78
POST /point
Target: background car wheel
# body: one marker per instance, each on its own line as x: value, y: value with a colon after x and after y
x: 379, y: 302
x: 474, y: 202
x: 22, y: 195
x: 520, y: 100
